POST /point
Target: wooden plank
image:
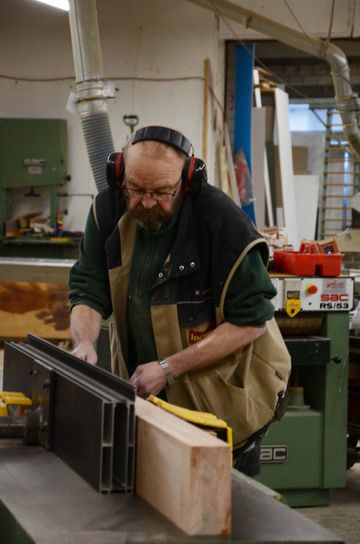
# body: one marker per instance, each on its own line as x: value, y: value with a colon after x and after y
x: 224, y: 172
x: 230, y: 167
x: 205, y: 109
x: 258, y: 166
x: 183, y: 472
x: 269, y: 206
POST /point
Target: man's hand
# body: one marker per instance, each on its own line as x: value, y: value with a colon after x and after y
x: 85, y: 328
x: 86, y: 352
x: 149, y: 379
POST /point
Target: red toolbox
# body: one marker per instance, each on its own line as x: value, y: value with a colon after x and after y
x: 312, y: 259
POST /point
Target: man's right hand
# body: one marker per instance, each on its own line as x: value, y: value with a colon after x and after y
x: 85, y: 328
x: 86, y: 352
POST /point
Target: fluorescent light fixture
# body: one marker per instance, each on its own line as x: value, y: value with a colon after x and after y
x: 61, y: 4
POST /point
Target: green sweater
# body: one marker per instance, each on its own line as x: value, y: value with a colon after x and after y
x: 247, y: 303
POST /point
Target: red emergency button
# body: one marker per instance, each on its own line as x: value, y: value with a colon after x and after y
x: 311, y: 289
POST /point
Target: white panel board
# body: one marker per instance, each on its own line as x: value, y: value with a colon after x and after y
x: 286, y: 165
x: 307, y: 197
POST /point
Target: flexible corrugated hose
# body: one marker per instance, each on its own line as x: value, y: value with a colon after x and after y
x: 99, y: 144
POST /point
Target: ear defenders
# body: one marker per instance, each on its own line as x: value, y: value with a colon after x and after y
x: 194, y: 173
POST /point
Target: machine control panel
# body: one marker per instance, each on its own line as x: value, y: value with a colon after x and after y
x: 313, y: 294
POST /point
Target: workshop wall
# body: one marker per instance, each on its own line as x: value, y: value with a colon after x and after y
x: 140, y: 40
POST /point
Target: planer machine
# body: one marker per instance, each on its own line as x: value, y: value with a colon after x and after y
x: 304, y: 455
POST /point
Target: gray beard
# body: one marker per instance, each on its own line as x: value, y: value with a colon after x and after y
x: 151, y: 220
x: 150, y: 224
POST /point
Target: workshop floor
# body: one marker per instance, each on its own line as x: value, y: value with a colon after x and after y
x: 342, y: 516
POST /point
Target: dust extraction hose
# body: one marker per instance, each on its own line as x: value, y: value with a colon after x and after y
x: 99, y: 144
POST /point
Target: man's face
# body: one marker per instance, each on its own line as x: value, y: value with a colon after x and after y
x: 152, y: 183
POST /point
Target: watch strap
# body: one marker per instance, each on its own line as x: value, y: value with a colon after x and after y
x: 170, y: 378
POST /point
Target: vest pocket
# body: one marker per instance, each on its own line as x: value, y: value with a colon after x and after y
x: 265, y: 384
x: 212, y: 392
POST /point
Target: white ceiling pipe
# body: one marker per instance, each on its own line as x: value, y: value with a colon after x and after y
x: 346, y: 99
x: 92, y: 94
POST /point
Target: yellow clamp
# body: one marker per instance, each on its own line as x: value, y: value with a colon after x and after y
x: 209, y: 421
x: 11, y: 398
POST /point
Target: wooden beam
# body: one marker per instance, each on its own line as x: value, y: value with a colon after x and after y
x: 231, y: 167
x: 224, y: 173
x: 269, y: 206
x: 205, y: 108
x: 183, y: 472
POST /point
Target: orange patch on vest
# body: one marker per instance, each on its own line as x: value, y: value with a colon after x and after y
x: 195, y: 336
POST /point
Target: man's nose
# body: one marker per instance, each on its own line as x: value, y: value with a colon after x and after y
x: 148, y: 201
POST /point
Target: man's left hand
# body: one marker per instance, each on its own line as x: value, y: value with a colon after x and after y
x: 149, y: 379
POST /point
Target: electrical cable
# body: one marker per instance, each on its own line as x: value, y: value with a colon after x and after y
x: 216, y: 8
x: 278, y: 79
x: 297, y: 20
x: 119, y: 78
x: 264, y: 66
x: 37, y: 80
x: 269, y: 70
x: 331, y: 21
x: 326, y: 42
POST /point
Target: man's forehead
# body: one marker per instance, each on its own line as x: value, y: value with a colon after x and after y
x: 152, y: 149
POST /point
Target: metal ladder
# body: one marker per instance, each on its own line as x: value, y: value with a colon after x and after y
x: 340, y: 181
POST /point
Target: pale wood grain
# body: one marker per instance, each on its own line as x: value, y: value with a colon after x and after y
x: 183, y: 472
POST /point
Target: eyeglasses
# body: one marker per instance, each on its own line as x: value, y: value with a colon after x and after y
x: 159, y: 196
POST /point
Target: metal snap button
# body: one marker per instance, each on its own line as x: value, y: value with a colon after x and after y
x: 181, y: 267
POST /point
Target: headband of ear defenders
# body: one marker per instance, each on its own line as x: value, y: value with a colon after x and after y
x: 194, y: 173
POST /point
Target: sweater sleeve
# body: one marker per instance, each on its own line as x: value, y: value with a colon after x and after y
x: 89, y: 282
x: 248, y: 299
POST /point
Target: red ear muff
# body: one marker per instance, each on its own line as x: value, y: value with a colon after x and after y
x: 115, y: 168
x: 194, y: 175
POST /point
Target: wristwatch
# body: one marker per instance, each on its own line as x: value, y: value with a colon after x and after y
x: 170, y: 378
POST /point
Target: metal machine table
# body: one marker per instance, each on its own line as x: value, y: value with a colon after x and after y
x: 42, y: 500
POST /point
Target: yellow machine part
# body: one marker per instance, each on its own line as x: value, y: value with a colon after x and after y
x: 205, y: 420
x: 292, y: 306
x: 11, y: 398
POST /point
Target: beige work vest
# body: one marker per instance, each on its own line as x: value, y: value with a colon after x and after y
x: 242, y: 389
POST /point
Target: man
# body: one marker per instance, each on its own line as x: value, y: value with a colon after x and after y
x: 183, y: 271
